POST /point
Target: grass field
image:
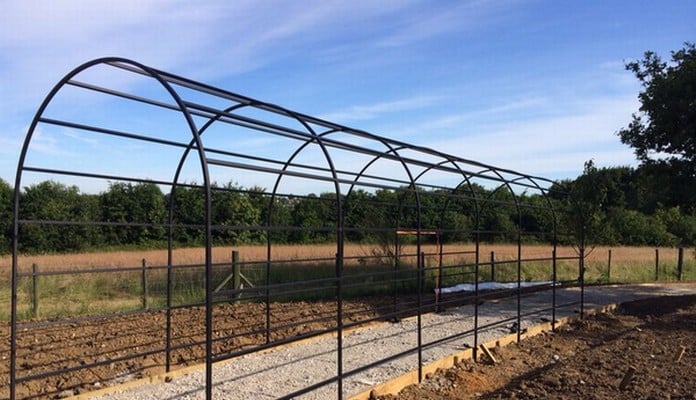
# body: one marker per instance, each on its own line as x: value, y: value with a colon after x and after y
x: 50, y: 262
x: 91, y: 283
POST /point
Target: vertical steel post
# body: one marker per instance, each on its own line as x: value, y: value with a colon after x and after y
x: 476, y: 297
x: 267, y: 291
x: 208, y: 293
x: 397, y: 275
x: 35, y: 289
x: 168, y: 333
x: 680, y: 264
x: 170, y: 260
x: 554, y: 268
x: 519, y: 289
x: 581, y: 278
x: 144, y: 284
x: 438, y: 285
x: 419, y: 297
x: 339, y: 321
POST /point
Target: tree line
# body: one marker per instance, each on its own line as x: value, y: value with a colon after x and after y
x: 59, y: 218
x: 621, y: 206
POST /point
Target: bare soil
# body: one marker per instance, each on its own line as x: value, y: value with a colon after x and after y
x: 654, y: 340
x: 86, y: 355
x: 587, y: 359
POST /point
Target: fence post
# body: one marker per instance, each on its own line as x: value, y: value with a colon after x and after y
x: 657, y: 264
x: 144, y: 285
x: 236, y: 272
x: 35, y: 289
x: 680, y: 264
x: 493, y: 266
x: 609, y: 267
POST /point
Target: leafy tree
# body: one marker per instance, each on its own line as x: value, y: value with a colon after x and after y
x: 357, y: 215
x: 189, y: 212
x: 316, y: 218
x: 635, y: 228
x: 279, y: 215
x: 458, y: 218
x: 499, y: 217
x: 141, y: 204
x: 583, y: 215
x: 5, y: 216
x: 664, y: 130
x: 49, y: 204
x: 234, y: 215
x: 679, y: 224
x: 536, y: 218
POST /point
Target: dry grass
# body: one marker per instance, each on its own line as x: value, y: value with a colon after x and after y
x: 190, y: 256
x: 87, y: 292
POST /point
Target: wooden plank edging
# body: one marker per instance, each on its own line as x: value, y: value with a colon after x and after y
x: 394, y: 386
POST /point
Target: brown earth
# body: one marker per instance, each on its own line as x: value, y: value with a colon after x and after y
x: 86, y: 355
x: 584, y: 360
x: 588, y: 359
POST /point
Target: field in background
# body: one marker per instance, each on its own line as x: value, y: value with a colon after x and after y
x: 114, y: 281
x: 187, y: 256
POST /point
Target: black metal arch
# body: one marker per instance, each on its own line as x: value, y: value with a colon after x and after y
x: 348, y: 159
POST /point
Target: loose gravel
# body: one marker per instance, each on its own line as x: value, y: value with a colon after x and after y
x: 283, y: 371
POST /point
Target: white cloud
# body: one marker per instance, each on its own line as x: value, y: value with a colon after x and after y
x: 446, y: 18
x: 553, y: 145
x: 453, y: 76
x: 372, y: 111
x: 40, y: 41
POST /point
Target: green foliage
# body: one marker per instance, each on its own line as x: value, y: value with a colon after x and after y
x: 234, y: 215
x: 53, y: 204
x: 680, y: 225
x: 5, y: 216
x: 316, y: 216
x: 142, y: 204
x: 667, y: 119
x: 188, y: 203
x: 622, y: 205
x: 663, y: 133
x: 610, y: 206
x: 635, y: 228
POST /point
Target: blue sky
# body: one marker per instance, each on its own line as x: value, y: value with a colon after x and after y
x: 534, y: 86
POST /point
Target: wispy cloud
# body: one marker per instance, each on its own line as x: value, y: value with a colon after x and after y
x: 40, y: 43
x: 432, y: 19
x: 545, y: 145
x: 47, y: 143
x: 373, y: 111
x: 508, y: 82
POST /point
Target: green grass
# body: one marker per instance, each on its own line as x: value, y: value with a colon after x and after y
x: 638, y: 272
x: 92, y: 293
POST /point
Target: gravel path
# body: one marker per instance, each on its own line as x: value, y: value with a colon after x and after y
x: 285, y: 370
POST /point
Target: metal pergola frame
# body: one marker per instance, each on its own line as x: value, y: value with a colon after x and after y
x: 413, y: 172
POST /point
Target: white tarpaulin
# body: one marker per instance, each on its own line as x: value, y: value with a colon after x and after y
x: 470, y: 287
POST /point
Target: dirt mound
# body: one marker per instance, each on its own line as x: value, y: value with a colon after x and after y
x: 646, y: 349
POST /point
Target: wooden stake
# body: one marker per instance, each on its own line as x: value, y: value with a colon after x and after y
x: 488, y: 353
x: 681, y: 354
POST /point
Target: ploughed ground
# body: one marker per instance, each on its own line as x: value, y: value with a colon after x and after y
x: 89, y: 354
x: 586, y: 359
x: 645, y: 349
